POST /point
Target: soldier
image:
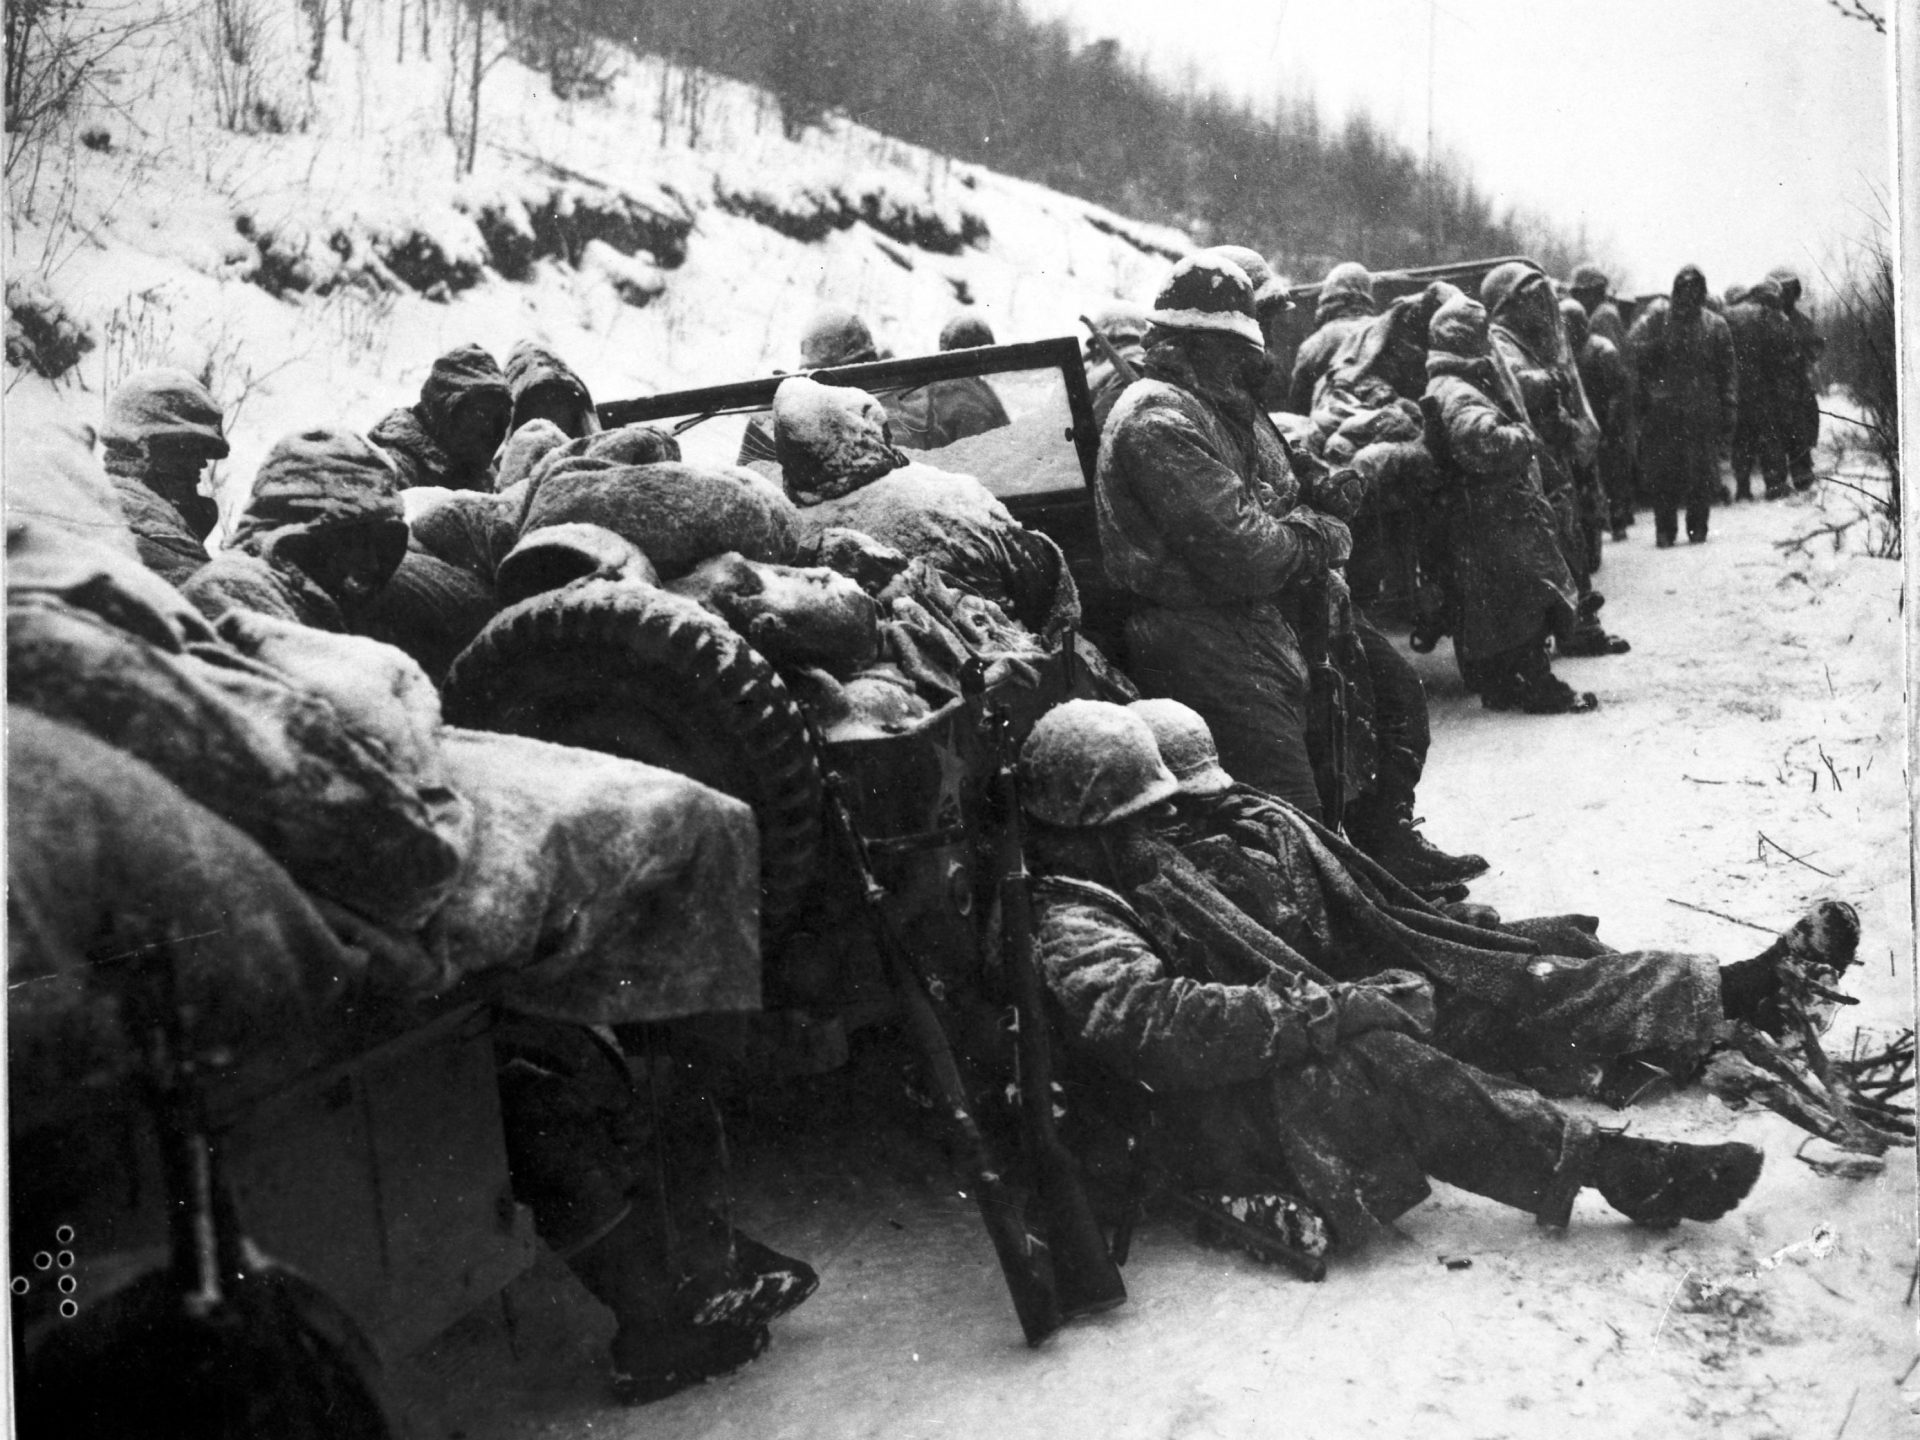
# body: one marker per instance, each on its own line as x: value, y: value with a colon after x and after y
x: 967, y: 404
x: 162, y: 429
x: 1766, y: 364
x: 1203, y: 522
x: 545, y: 387
x: 835, y: 336
x: 1801, y: 428
x: 320, y: 534
x: 1346, y: 303
x: 1266, y: 1072
x: 1524, y: 329
x: 448, y: 437
x: 1514, y: 590
x: 1609, y: 386
x: 1688, y: 394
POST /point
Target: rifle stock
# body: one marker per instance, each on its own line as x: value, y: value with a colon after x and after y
x: 1086, y: 1277
x: 1025, y: 1262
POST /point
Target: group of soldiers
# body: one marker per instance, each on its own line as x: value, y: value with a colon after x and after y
x: 1234, y: 909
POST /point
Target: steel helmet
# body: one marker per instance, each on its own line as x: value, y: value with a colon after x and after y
x: 1186, y: 745
x: 1088, y: 763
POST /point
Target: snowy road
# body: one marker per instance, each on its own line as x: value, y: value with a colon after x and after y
x: 1762, y: 697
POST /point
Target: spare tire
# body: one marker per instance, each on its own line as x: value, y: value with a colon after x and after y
x: 632, y: 671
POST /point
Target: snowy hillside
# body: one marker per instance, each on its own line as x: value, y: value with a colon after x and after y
x: 664, y: 235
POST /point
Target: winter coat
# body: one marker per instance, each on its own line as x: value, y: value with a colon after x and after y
x: 1512, y: 579
x: 532, y: 368
x: 1199, y: 515
x: 1766, y: 358
x: 1689, y: 395
x: 170, y: 523
x: 415, y: 437
x: 1106, y: 384
x: 314, y: 485
x: 1196, y: 494
x: 1346, y: 303
x: 964, y: 406
x: 166, y: 540
x: 1241, y: 1045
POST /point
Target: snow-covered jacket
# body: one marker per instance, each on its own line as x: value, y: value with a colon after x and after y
x: 1685, y: 370
x: 531, y: 368
x: 1196, y: 496
x: 415, y: 437
x: 318, y: 484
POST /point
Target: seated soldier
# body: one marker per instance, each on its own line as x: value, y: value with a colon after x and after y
x: 1543, y: 998
x: 968, y: 404
x: 1269, y: 1074
x: 544, y: 387
x: 319, y: 536
x: 161, y: 431
x: 449, y: 435
x: 836, y: 337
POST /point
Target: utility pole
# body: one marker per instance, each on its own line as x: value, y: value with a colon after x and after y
x: 1433, y: 188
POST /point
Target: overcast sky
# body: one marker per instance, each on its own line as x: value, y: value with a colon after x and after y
x: 1732, y: 134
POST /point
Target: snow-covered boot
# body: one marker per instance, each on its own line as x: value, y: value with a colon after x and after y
x: 1659, y: 1183
x: 689, y: 1316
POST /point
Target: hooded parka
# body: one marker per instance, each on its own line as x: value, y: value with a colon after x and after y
x: 1512, y: 581
x: 1689, y: 395
x: 1346, y: 303
x: 416, y: 437
x: 316, y: 489
x: 1200, y: 521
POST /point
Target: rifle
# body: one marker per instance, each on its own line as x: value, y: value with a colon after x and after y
x: 1086, y: 1278
x: 1025, y: 1261
x: 1326, y: 704
x: 1121, y: 365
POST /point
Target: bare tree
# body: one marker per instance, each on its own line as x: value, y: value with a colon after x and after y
x: 61, y: 55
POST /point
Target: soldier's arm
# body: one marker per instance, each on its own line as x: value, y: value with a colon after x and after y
x: 1483, y: 441
x: 1206, y: 513
x: 1173, y: 1032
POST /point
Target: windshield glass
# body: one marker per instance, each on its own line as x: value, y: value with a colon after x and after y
x: 1009, y: 431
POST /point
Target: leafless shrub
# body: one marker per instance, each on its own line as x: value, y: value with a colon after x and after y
x: 1862, y: 355
x: 61, y: 59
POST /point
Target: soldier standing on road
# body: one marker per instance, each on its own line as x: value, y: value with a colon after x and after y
x: 1765, y: 358
x: 1801, y: 424
x: 1202, y: 521
x: 1688, y: 396
x: 1609, y: 386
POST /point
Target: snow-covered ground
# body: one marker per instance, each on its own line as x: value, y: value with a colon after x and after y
x: 1748, y: 663
x: 143, y: 240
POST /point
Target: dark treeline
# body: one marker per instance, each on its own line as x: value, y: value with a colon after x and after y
x: 980, y: 80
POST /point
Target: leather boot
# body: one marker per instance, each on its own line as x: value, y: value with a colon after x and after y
x: 1659, y: 1183
x: 1390, y: 836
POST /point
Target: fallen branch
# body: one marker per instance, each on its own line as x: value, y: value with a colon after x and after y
x: 1718, y: 915
x: 1766, y: 839
x: 1837, y: 530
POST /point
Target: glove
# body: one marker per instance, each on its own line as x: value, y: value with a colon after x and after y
x: 1392, y: 1000
x: 1334, y: 539
x: 1339, y: 492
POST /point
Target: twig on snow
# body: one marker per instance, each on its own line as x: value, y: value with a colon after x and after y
x: 1735, y: 919
x: 1766, y: 839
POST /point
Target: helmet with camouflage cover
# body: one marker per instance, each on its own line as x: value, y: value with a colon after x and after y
x: 1186, y: 745
x: 1090, y: 763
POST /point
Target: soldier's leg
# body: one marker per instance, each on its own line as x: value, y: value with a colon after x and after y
x: 1744, y: 451
x: 1505, y: 1141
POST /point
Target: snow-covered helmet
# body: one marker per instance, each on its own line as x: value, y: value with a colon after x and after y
x: 1209, y: 294
x: 1089, y: 763
x: 836, y: 336
x: 1269, y: 290
x: 1186, y: 745
x: 965, y: 331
